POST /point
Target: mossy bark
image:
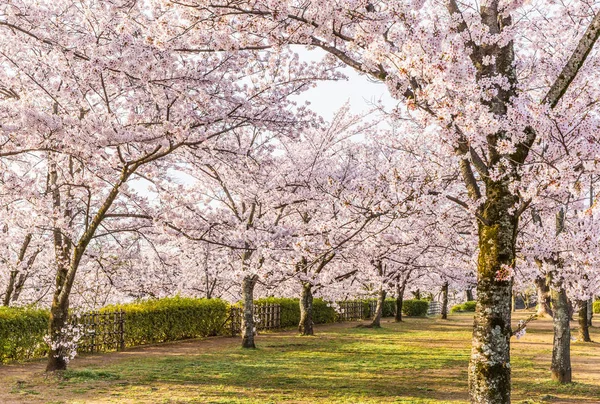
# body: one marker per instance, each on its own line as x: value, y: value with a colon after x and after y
x: 445, y: 301
x: 376, y: 323
x: 489, y: 368
x: 561, y: 348
x: 306, y: 310
x: 248, y: 327
x: 582, y: 319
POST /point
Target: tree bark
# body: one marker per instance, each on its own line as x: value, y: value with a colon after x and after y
x: 445, y: 301
x: 376, y: 323
x: 401, y: 287
x: 306, y: 310
x: 590, y: 311
x: 59, y: 313
x: 584, y: 331
x: 543, y: 297
x: 561, y: 349
x: 248, y: 328
x: 469, y: 293
x: 489, y: 368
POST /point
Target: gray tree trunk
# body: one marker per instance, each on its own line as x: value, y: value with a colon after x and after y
x: 376, y: 323
x: 469, y: 294
x: 248, y: 327
x: 306, y: 310
x: 399, y: 302
x: 582, y: 318
x: 561, y: 349
x: 590, y: 311
x: 543, y: 297
x: 445, y: 301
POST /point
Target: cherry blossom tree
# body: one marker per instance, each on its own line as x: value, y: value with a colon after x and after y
x: 488, y: 76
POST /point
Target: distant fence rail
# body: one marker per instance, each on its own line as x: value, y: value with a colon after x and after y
x: 101, y: 331
x: 266, y: 317
x: 434, y: 309
x: 350, y: 311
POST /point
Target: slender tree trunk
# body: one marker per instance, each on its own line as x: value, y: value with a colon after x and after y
x: 248, y: 328
x: 543, y: 297
x: 445, y: 301
x: 590, y: 311
x: 469, y: 293
x: 489, y: 368
x: 376, y: 323
x: 399, y: 301
x: 584, y: 331
x: 306, y: 310
x: 561, y: 349
x: 14, y: 286
x: 417, y: 294
x: 9, y: 288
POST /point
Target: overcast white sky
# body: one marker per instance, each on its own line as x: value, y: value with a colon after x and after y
x: 328, y: 97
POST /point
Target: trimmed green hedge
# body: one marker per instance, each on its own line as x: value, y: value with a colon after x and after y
x: 415, y: 307
x: 597, y: 307
x: 464, y: 307
x: 22, y: 333
x: 389, y: 308
x: 290, y: 310
x: 171, y: 319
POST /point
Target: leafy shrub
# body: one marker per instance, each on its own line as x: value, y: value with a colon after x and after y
x: 389, y: 307
x: 322, y: 312
x: 290, y: 310
x: 415, y: 308
x: 597, y: 307
x: 464, y: 307
x: 22, y: 333
x: 171, y: 319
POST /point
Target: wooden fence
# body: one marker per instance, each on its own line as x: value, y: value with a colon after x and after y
x: 350, y: 311
x: 434, y: 308
x: 266, y: 317
x: 102, y: 331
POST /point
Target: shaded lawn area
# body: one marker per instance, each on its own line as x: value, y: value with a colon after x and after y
x: 418, y: 361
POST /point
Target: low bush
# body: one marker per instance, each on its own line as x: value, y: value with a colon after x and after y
x: 171, y: 319
x: 22, y: 332
x: 415, y: 308
x: 597, y: 307
x: 464, y: 307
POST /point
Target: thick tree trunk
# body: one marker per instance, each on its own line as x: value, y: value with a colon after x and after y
x: 469, y: 293
x: 248, y: 328
x: 543, y: 297
x: 58, y: 320
x: 561, y: 349
x: 590, y: 311
x: 584, y: 331
x: 445, y: 301
x: 489, y: 368
x: 376, y: 323
x: 306, y: 310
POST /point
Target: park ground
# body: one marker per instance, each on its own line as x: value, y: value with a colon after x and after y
x: 417, y: 361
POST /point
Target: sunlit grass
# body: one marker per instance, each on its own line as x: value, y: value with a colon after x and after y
x: 418, y: 361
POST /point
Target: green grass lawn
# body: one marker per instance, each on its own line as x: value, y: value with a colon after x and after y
x: 418, y: 361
